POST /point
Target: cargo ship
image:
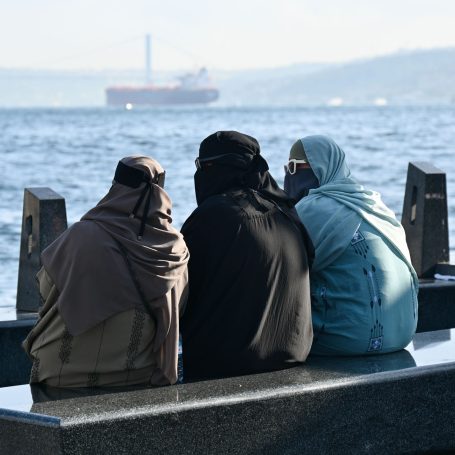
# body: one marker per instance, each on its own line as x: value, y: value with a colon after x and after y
x: 190, y: 89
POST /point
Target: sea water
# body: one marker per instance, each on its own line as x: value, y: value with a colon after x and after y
x: 75, y: 152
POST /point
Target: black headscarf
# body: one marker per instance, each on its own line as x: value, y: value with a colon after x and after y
x: 231, y: 160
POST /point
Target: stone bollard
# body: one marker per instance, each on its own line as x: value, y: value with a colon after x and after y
x: 425, y: 218
x: 43, y: 220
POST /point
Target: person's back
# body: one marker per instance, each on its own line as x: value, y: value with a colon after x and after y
x: 111, y: 286
x: 249, y: 306
x: 363, y: 302
x: 363, y: 286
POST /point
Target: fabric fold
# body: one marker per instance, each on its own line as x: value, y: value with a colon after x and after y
x: 350, y: 203
x: 101, y: 267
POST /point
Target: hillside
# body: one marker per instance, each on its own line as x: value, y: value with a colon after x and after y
x: 420, y: 77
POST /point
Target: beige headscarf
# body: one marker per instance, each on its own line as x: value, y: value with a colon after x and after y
x: 101, y: 266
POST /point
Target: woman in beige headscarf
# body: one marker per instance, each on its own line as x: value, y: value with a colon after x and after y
x: 112, y: 285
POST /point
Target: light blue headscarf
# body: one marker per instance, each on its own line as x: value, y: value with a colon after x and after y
x: 333, y: 212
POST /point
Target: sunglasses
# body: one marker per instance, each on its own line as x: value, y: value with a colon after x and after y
x: 199, y: 162
x: 159, y: 179
x: 293, y: 165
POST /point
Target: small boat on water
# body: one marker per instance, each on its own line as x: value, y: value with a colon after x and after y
x: 192, y: 88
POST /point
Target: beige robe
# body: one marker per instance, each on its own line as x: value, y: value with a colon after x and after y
x: 116, y: 352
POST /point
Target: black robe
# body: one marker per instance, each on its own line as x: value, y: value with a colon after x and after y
x: 249, y: 306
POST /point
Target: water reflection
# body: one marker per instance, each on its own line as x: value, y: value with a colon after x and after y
x: 39, y: 147
x: 429, y: 338
x: 41, y: 393
x: 364, y: 364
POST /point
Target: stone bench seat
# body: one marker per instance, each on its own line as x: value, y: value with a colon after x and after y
x: 394, y: 403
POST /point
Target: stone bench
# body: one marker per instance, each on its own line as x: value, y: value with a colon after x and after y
x: 14, y: 364
x: 393, y: 403
x: 436, y: 305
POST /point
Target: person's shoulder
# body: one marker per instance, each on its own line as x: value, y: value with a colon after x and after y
x: 317, y: 202
x: 218, y: 205
x: 218, y: 209
x: 85, y: 233
x: 86, y: 227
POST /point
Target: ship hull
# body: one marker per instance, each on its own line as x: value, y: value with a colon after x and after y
x: 146, y: 96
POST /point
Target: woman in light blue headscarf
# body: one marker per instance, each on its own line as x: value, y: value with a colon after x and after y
x: 363, y: 286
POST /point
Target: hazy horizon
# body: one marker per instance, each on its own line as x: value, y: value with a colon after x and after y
x: 177, y: 70
x: 226, y: 36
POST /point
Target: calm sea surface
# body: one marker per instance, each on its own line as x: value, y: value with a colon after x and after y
x: 75, y: 152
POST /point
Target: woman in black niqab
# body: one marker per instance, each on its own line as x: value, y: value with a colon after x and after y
x: 230, y: 160
x: 249, y: 304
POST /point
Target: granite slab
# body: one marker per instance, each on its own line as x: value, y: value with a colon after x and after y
x: 436, y: 305
x: 14, y: 363
x: 394, y: 403
x: 43, y: 220
x: 9, y: 316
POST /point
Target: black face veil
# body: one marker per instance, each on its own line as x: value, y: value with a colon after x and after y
x: 299, y: 184
x: 229, y: 160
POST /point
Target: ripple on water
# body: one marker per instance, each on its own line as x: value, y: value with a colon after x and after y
x: 75, y: 152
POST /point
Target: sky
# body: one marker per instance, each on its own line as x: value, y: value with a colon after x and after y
x: 221, y: 34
